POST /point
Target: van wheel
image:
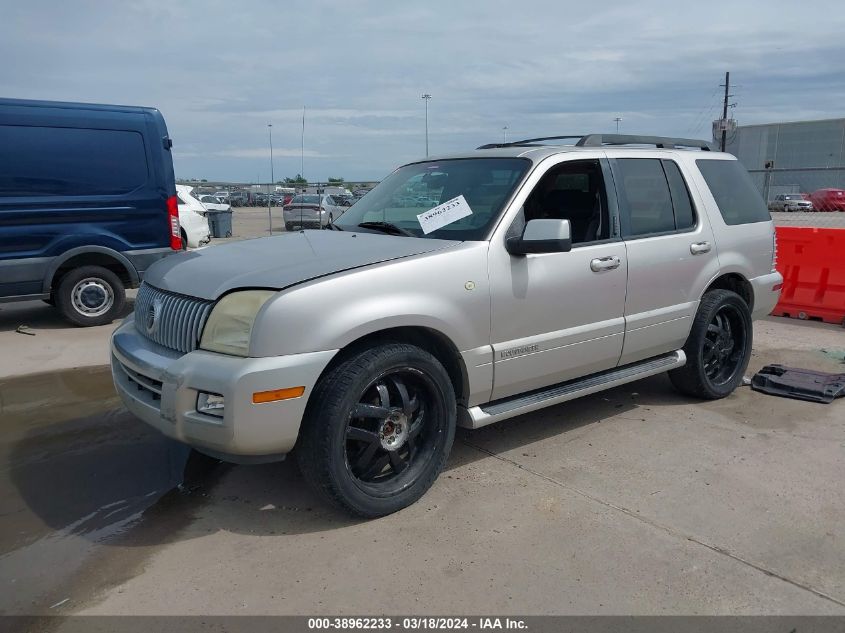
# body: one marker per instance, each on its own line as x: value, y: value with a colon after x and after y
x: 90, y: 295
x: 184, y: 240
x: 288, y: 226
x: 718, y: 348
x: 378, y: 429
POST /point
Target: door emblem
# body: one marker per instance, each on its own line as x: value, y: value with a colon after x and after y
x: 518, y: 351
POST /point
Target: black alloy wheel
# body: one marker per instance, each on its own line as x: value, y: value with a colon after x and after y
x: 378, y: 428
x: 718, y: 347
x: 724, y: 344
x: 389, y: 431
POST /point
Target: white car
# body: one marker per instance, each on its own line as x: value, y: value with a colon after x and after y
x: 192, y: 220
x: 213, y: 203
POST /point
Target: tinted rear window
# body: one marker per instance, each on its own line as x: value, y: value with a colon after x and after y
x: 306, y: 200
x: 47, y: 161
x: 738, y: 199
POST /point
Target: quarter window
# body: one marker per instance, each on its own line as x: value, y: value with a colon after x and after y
x: 738, y: 200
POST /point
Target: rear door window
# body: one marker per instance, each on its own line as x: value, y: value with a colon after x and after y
x: 681, y: 200
x: 55, y: 161
x: 644, y: 195
x: 653, y: 196
x: 738, y: 200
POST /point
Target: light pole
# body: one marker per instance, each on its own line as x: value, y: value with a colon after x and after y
x: 504, y: 135
x: 617, y: 119
x: 272, y: 180
x: 426, y: 97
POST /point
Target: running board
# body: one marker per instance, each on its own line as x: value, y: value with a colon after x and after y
x: 524, y: 403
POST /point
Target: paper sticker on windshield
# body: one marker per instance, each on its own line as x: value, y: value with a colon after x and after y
x: 443, y: 214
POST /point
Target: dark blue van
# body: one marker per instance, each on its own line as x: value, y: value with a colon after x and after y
x: 87, y: 204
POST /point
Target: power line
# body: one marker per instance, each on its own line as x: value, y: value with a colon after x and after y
x: 695, y: 124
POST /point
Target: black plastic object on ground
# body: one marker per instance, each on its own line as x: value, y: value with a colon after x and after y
x: 220, y: 223
x: 802, y: 384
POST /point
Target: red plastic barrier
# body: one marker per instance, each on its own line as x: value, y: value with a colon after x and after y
x: 812, y: 262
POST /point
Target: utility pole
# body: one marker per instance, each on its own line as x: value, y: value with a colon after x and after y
x: 272, y: 182
x: 504, y: 135
x: 426, y: 97
x: 302, y: 147
x: 617, y: 119
x: 725, y: 111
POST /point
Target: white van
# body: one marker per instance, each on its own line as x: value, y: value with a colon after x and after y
x: 192, y: 221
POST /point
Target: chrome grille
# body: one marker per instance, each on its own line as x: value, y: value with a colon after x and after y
x: 176, y: 320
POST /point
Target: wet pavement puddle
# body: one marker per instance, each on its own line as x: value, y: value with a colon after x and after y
x: 79, y: 474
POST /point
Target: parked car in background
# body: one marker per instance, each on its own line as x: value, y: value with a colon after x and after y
x: 828, y: 199
x: 87, y: 204
x: 213, y: 203
x: 192, y: 221
x: 259, y: 200
x: 544, y: 274
x: 223, y: 195
x: 238, y: 198
x: 790, y: 202
x: 311, y: 211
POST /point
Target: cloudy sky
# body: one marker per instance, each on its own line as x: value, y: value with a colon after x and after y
x: 221, y: 71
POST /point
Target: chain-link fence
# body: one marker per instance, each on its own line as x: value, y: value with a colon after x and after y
x: 811, y: 196
x: 799, y: 168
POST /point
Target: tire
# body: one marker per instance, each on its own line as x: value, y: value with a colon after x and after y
x: 371, y: 465
x: 718, y: 348
x: 288, y: 226
x: 90, y: 295
x: 184, y: 240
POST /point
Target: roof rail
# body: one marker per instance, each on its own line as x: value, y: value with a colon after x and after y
x: 598, y: 140
x: 666, y: 142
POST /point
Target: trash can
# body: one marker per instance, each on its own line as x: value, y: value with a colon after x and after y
x: 220, y: 223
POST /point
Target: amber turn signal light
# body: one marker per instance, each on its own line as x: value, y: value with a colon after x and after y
x: 274, y: 395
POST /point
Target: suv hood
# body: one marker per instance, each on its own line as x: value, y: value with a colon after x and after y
x: 280, y: 261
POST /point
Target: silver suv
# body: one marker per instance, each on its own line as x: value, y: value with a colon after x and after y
x: 523, y: 275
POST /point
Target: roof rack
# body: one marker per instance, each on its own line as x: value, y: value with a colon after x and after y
x: 598, y: 140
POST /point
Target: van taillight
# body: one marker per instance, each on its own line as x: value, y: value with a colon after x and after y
x: 173, y: 218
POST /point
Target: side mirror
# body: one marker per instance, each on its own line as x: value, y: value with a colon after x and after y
x: 542, y: 236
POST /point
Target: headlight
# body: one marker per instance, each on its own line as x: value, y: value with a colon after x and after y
x: 230, y: 325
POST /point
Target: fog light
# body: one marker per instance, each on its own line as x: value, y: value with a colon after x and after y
x: 211, y: 404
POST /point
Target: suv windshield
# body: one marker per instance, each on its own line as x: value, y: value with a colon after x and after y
x: 485, y: 183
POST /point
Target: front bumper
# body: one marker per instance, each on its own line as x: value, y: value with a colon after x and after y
x: 161, y: 387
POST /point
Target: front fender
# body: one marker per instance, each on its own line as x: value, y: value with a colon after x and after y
x: 447, y: 291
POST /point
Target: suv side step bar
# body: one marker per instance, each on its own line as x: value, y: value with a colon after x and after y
x: 485, y: 414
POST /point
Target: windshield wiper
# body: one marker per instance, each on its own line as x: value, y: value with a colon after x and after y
x: 386, y: 227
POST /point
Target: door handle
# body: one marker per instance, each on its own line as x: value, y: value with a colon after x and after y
x: 699, y: 248
x: 605, y: 263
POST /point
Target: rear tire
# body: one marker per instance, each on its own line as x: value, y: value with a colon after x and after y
x: 184, y: 240
x: 90, y: 295
x: 718, y: 347
x: 288, y: 226
x: 378, y: 429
